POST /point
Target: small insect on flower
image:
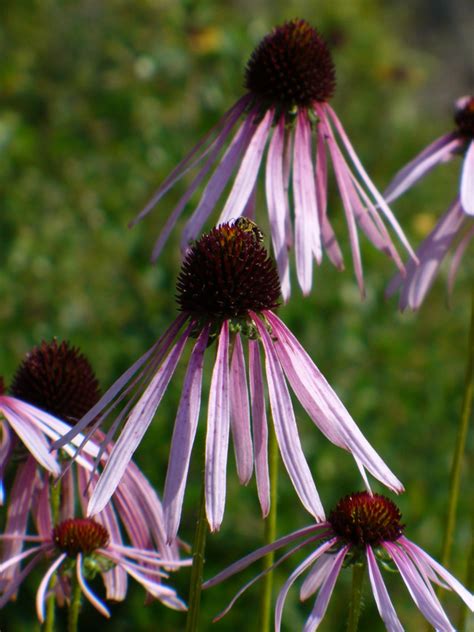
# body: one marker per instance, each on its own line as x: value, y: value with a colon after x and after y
x: 249, y: 226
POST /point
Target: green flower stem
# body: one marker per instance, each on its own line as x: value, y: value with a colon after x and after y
x: 358, y: 571
x: 55, y: 494
x: 75, y: 605
x: 465, y: 613
x: 269, y: 536
x: 466, y: 412
x: 195, y: 586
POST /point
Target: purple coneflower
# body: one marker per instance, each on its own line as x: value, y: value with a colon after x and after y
x: 59, y: 380
x: 362, y: 529
x: 227, y: 290
x: 289, y: 78
x: 455, y: 225
x: 84, y: 547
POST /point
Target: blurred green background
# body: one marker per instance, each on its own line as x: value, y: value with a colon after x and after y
x: 98, y: 102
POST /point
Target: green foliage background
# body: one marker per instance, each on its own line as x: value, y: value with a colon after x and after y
x: 98, y: 102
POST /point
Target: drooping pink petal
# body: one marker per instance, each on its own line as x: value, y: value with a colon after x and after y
x: 420, y: 591
x: 457, y: 256
x: 134, y: 429
x: 182, y: 442
x: 307, y: 229
x: 277, y: 203
x: 87, y: 592
x: 323, y: 405
x: 344, y: 184
x: 316, y: 576
x: 438, y: 151
x: 419, y: 278
x: 41, y: 592
x: 154, y: 354
x: 42, y: 511
x: 419, y: 556
x: 286, y: 429
x: 210, y: 162
x: 20, y: 416
x: 280, y: 602
x: 467, y: 181
x: 164, y: 593
x: 17, y: 514
x: 240, y: 414
x: 219, y: 179
x: 328, y: 237
x: 10, y: 590
x: 225, y: 124
x: 379, y: 200
x: 217, y: 436
x: 381, y: 596
x: 115, y: 581
x: 325, y: 592
x: 248, y: 170
x: 316, y: 530
x: 260, y: 427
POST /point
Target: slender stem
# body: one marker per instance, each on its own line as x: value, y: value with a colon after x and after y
x: 469, y: 583
x: 55, y: 495
x: 358, y: 571
x: 195, y: 586
x: 75, y: 605
x: 269, y: 536
x: 466, y: 411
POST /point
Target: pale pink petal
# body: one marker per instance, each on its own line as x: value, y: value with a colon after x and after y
x: 18, y: 511
x: 41, y: 592
x: 280, y: 602
x: 20, y: 417
x: 328, y: 237
x: 219, y: 179
x: 259, y: 426
x: 210, y: 162
x: 267, y: 570
x: 87, y: 592
x: 225, y: 124
x: 156, y: 588
x: 344, y: 184
x: 134, y: 429
x: 277, y: 202
x: 467, y: 181
x: 42, y: 512
x: 316, y: 576
x: 316, y: 530
x: 457, y: 256
x: 9, y: 591
x: 240, y: 414
x: 323, y: 405
x: 365, y: 178
x: 307, y: 229
x: 325, y: 592
x: 248, y: 171
x: 419, y: 589
x: 217, y: 436
x: 419, y: 278
x: 433, y: 155
x: 286, y: 429
x: 183, y: 438
x: 381, y: 596
x: 418, y: 555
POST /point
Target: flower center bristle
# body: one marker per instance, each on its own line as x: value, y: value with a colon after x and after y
x: 362, y: 519
x: 58, y: 379
x: 292, y: 66
x: 226, y: 273
x: 464, y: 115
x: 80, y: 535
